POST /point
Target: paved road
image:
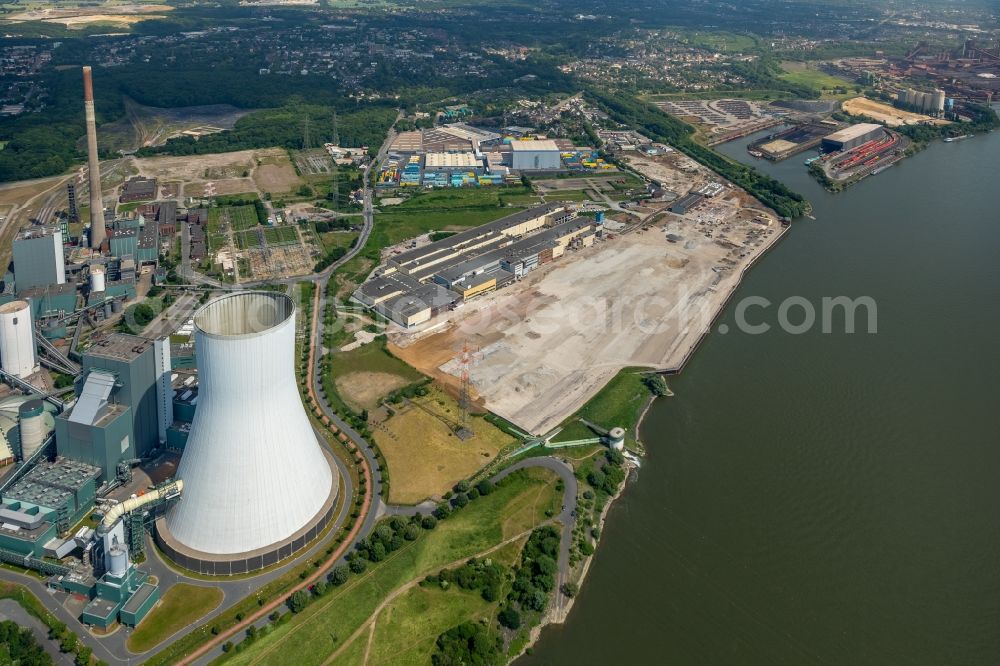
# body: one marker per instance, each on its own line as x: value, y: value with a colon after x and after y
x: 11, y: 610
x: 113, y: 648
x: 173, y: 317
x: 567, y: 517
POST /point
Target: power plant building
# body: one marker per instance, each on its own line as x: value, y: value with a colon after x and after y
x: 851, y: 137
x: 38, y: 259
x: 535, y: 155
x: 258, y: 484
x: 116, y: 415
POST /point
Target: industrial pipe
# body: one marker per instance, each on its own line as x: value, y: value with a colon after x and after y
x: 133, y: 503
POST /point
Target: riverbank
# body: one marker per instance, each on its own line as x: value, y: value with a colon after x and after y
x: 804, y: 498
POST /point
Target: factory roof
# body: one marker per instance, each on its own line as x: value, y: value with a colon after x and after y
x: 452, y: 160
x: 852, y: 132
x: 36, y: 232
x: 120, y: 346
x: 410, y: 303
x: 514, y: 252
x: 136, y: 601
x: 462, y: 237
x: 50, y: 485
x: 544, y: 145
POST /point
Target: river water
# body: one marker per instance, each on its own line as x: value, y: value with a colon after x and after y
x: 826, y: 498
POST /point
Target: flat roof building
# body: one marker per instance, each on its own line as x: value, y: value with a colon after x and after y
x: 452, y: 161
x: 851, y: 137
x: 535, y: 155
x: 415, y: 285
x: 138, y: 188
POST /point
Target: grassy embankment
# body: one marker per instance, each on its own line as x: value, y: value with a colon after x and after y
x: 317, y: 632
x: 180, y: 607
x: 620, y: 404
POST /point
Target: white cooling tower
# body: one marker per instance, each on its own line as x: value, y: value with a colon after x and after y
x: 17, y: 339
x: 257, y: 483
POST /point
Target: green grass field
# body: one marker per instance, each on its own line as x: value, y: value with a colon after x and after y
x: 237, y: 218
x: 407, y: 629
x: 618, y: 404
x: 281, y: 235
x: 180, y: 607
x: 318, y: 631
x: 799, y: 73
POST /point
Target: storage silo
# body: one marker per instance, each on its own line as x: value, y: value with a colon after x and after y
x: 17, y: 339
x: 31, y: 426
x: 937, y: 101
x: 97, y: 279
x: 258, y: 485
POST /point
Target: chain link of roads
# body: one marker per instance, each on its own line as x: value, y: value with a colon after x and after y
x: 113, y: 649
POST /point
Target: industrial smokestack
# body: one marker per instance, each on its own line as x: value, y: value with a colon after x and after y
x: 97, y: 231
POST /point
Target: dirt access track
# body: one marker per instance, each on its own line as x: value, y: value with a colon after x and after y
x: 547, y: 344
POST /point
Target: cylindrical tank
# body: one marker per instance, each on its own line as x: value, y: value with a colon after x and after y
x: 938, y: 101
x: 616, y: 438
x: 118, y: 561
x: 97, y: 279
x: 31, y: 423
x: 107, y: 310
x: 116, y: 306
x: 253, y: 470
x: 17, y: 339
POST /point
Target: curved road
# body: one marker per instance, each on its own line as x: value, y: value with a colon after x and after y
x: 113, y: 648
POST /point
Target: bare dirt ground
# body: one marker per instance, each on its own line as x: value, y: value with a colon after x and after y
x: 366, y: 389
x: 122, y: 15
x: 550, y: 342
x: 276, y: 178
x: 891, y: 116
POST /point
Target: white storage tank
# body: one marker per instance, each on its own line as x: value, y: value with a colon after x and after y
x: 31, y: 425
x: 17, y: 339
x: 118, y: 561
x: 97, y: 279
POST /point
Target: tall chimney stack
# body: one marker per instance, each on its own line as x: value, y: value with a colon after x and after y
x: 97, y: 230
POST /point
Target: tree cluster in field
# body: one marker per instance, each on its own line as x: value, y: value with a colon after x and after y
x: 468, y: 644
x: 664, y: 128
x: 482, y: 575
x: 68, y: 644
x: 535, y: 576
x: 415, y: 390
x: 609, y: 477
x: 338, y: 224
x: 461, y: 494
x: 656, y: 384
x: 18, y: 646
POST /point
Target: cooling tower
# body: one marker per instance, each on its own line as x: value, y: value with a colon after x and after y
x: 97, y: 228
x: 258, y: 485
